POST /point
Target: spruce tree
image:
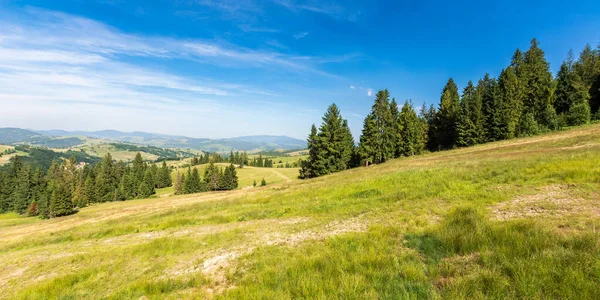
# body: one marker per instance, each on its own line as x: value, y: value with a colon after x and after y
x: 396, y: 127
x: 446, y: 121
x: 306, y: 170
x: 105, y: 179
x: 333, y: 145
x: 411, y: 132
x: 380, y: 144
x: 211, y: 177
x: 512, y: 101
x: 60, y: 201
x: 21, y: 195
x: 263, y: 182
x: 146, y: 187
x: 535, y: 75
x: 178, y: 184
x: 164, y: 176
x: 90, y: 188
x: 470, y: 122
x: 194, y: 179
x: 571, y: 96
x: 492, y: 108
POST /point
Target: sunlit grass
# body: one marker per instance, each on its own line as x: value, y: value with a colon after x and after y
x: 414, y: 228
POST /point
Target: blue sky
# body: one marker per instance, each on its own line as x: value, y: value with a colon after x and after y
x: 208, y: 68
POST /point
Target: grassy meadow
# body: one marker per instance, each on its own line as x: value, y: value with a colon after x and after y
x: 247, y: 175
x: 511, y: 219
x: 6, y: 158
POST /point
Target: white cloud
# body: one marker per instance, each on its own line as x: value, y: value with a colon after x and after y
x: 369, y: 92
x: 68, y: 72
x: 301, y: 35
x: 352, y: 87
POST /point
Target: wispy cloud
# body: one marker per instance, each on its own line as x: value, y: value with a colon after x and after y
x: 352, y: 87
x: 301, y: 35
x: 369, y: 92
x: 56, y: 67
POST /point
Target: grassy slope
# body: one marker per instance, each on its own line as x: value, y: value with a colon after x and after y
x: 247, y: 175
x: 6, y: 158
x: 100, y: 150
x: 525, y: 227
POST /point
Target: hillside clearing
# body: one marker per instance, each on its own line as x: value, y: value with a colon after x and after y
x: 491, y: 221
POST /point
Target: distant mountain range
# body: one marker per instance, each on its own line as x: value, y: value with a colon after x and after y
x: 63, y: 139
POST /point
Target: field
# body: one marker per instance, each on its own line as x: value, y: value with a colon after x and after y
x: 100, y: 150
x: 5, y: 158
x: 512, y: 219
x: 247, y: 175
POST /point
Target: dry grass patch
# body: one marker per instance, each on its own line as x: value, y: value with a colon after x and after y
x: 557, y: 200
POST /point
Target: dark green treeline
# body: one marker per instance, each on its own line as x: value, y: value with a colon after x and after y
x: 524, y: 100
x: 68, y: 185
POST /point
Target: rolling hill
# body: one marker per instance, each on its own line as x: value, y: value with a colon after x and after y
x: 248, y: 143
x: 509, y: 219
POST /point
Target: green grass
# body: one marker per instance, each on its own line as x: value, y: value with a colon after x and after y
x: 513, y: 219
x: 247, y: 175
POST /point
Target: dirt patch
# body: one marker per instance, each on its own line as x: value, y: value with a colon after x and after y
x: 550, y: 201
x: 216, y: 264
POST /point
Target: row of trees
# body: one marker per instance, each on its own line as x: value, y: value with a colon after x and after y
x: 67, y: 184
x: 207, y: 158
x: 8, y: 152
x: 524, y: 100
x: 215, y: 179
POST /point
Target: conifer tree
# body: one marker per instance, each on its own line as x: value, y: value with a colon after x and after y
x: 333, y: 145
x: 446, y: 120
x: 21, y: 195
x: 105, y: 179
x: 155, y: 175
x: 263, y: 182
x: 164, y: 176
x: 307, y: 168
x: 380, y: 144
x: 60, y: 201
x: 512, y: 101
x: 535, y: 75
x: 79, y: 199
x: 493, y: 111
x: 396, y: 127
x: 146, y: 187
x: 411, y: 140
x: 469, y: 128
x: 178, y: 184
x: 211, y: 177
x: 90, y: 188
x: 571, y: 96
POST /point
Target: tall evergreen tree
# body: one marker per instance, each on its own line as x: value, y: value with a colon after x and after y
x: 446, y: 120
x: 492, y: 109
x: 146, y: 187
x: 512, y: 100
x: 571, y: 94
x: 60, y: 201
x: 211, y: 177
x: 411, y: 133
x: 333, y: 145
x: 164, y: 176
x: 396, y: 127
x: 470, y: 122
x: 105, y: 179
x: 178, y: 184
x: 536, y: 77
x: 380, y: 143
x: 21, y: 195
x: 307, y: 170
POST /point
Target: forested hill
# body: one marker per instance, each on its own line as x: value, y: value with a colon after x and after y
x: 10, y: 136
x: 248, y: 143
